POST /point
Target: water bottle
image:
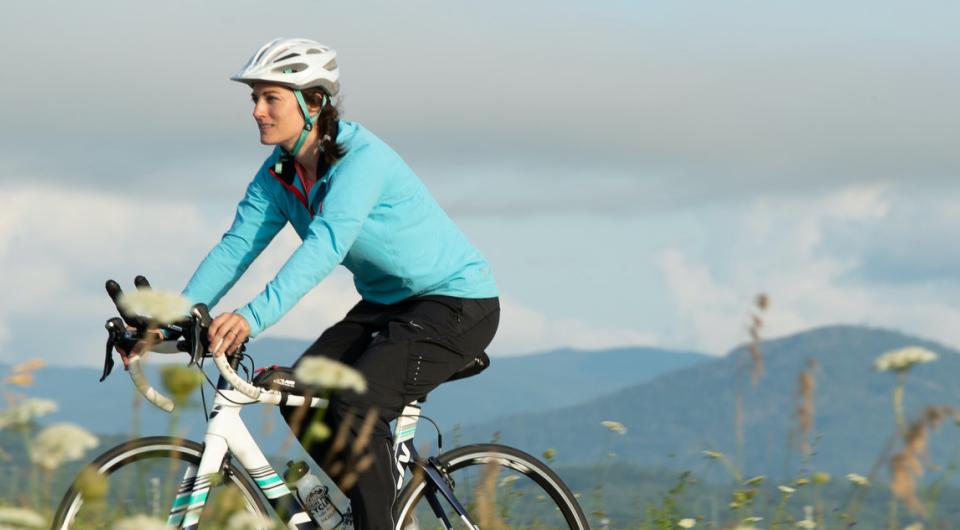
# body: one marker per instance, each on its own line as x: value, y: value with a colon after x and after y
x: 321, y: 498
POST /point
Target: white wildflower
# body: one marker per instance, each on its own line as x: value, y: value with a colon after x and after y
x: 140, y: 522
x: 614, y: 426
x: 807, y: 521
x: 687, y: 523
x: 903, y: 359
x: 329, y: 374
x: 59, y: 443
x: 859, y: 480
x: 914, y: 526
x: 25, y: 411
x: 715, y: 455
x: 248, y: 521
x: 20, y: 518
x: 752, y: 520
x: 161, y: 306
x: 786, y: 489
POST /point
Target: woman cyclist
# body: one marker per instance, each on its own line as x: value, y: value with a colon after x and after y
x: 429, y: 301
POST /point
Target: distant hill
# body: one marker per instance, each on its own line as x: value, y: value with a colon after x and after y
x: 513, y: 384
x: 676, y: 416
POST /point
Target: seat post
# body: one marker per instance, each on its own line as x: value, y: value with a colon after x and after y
x: 406, y: 426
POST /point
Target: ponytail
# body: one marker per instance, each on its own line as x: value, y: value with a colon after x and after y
x: 327, y: 126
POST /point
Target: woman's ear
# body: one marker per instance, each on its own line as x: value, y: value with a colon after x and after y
x: 315, y: 104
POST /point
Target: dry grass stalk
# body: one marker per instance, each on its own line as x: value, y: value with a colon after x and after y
x: 908, y: 465
x: 297, y: 419
x: 24, y: 379
x: 761, y: 302
x: 339, y: 441
x: 366, y: 432
x: 806, y: 385
x: 28, y: 366
x: 486, y: 499
x: 739, y: 425
x: 22, y: 374
x: 346, y: 467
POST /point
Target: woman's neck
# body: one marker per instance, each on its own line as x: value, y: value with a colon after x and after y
x: 309, y: 155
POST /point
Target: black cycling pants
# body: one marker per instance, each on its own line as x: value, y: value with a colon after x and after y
x: 404, y: 350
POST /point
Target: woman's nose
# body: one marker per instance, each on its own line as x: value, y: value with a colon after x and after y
x: 259, y: 110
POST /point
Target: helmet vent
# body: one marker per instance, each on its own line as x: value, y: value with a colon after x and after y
x: 331, y: 66
x: 290, y: 68
x: 287, y: 56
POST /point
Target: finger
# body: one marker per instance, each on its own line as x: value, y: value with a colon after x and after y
x: 216, y: 347
x: 230, y: 332
x: 241, y: 337
x: 218, y: 325
x: 215, y: 328
x: 234, y: 338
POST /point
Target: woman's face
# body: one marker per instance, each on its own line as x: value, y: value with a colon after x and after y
x: 277, y: 114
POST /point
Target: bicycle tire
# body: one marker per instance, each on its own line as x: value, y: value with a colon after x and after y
x: 153, y: 447
x: 468, y: 460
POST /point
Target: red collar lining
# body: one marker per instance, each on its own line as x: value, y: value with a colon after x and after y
x: 296, y: 191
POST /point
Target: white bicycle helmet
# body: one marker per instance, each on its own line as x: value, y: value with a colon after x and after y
x: 295, y: 63
x: 298, y: 64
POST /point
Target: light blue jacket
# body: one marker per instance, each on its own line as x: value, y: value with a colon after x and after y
x: 376, y: 218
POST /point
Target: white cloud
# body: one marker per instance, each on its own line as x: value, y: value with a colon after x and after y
x: 58, y: 245
x: 524, y: 330
x: 778, y: 249
x: 709, y: 314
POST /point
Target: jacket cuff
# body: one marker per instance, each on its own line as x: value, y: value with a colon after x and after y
x: 247, y: 313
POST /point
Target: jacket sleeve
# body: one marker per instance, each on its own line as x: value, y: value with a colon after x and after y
x: 257, y: 221
x: 355, y: 188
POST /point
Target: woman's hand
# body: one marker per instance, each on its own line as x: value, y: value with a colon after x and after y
x: 227, y: 332
x: 156, y: 337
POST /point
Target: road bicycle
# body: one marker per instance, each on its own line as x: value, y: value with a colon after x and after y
x: 189, y: 483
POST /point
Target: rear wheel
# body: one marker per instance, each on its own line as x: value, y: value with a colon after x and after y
x: 141, y: 477
x: 500, y: 487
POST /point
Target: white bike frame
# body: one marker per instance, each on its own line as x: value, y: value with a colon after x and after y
x: 228, y: 435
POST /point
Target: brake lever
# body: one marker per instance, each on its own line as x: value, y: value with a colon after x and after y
x: 200, y: 324
x: 115, y: 328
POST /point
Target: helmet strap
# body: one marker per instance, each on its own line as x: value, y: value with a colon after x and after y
x: 308, y: 121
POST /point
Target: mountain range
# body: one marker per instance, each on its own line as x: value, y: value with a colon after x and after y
x: 511, y: 385
x: 671, y: 420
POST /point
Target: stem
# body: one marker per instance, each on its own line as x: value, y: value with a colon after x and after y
x: 33, y: 493
x: 892, y: 523
x: 898, y: 402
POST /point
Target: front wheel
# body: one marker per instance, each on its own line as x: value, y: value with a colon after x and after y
x: 141, y: 477
x: 500, y: 487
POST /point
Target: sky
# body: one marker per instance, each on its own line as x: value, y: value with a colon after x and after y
x: 636, y: 172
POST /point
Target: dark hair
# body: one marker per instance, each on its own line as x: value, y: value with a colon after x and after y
x: 328, y: 125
